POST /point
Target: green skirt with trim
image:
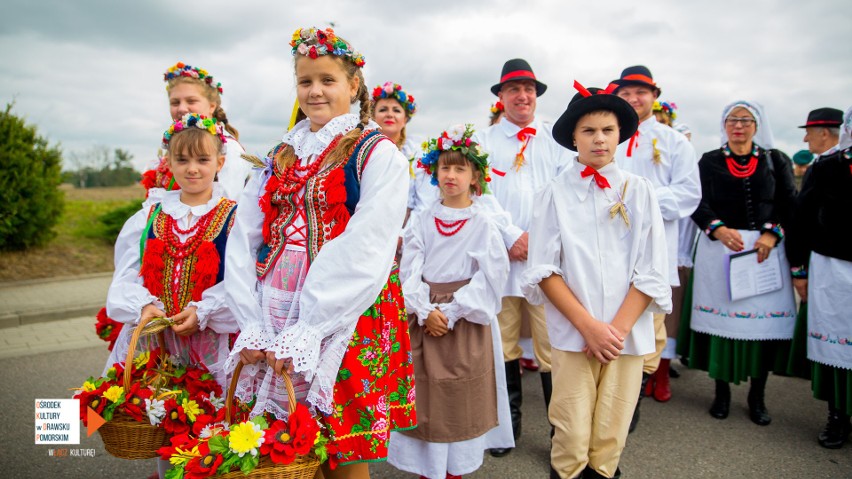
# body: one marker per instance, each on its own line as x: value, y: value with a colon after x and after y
x: 832, y: 384
x: 798, y: 364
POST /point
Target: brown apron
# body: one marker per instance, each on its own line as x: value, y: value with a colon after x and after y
x: 454, y: 377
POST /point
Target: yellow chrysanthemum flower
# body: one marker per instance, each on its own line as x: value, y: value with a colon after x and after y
x: 142, y: 359
x: 244, y: 438
x: 191, y: 408
x: 87, y: 386
x: 114, y: 393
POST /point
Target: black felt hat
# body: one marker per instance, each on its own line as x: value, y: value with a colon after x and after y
x: 587, y: 101
x: 826, y: 117
x: 518, y: 69
x: 637, y: 75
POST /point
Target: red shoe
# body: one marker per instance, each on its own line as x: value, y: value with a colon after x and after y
x: 450, y: 476
x: 649, y: 387
x: 662, y: 388
x: 529, y: 365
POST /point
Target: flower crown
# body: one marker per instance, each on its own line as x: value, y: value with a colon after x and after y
x: 313, y: 42
x: 181, y: 69
x: 497, y: 108
x: 667, y: 108
x: 456, y: 138
x: 394, y: 91
x: 195, y: 120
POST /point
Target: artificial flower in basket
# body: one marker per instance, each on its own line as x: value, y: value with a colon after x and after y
x: 151, y: 401
x: 260, y: 443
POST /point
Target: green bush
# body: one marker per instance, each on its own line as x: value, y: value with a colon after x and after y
x: 30, y: 173
x: 112, y: 221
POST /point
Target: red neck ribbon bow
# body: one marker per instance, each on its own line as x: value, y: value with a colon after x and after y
x: 600, y: 179
x: 524, y: 136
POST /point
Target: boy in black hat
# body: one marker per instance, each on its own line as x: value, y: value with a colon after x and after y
x: 667, y: 158
x: 822, y: 130
x: 523, y: 158
x: 597, y: 261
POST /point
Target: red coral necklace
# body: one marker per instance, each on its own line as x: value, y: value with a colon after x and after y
x: 449, y: 228
x: 737, y: 170
x: 292, y: 182
x: 178, y: 249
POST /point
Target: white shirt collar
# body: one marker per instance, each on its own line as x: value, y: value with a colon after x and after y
x: 582, y: 186
x: 308, y: 144
x: 173, y: 206
x: 511, y: 129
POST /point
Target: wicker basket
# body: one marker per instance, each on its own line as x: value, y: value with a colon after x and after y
x: 125, y: 437
x: 303, y: 467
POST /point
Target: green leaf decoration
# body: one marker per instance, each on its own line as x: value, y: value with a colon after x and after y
x: 248, y: 463
x: 218, y: 444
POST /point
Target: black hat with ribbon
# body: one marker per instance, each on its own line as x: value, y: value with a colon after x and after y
x: 518, y: 69
x: 825, y: 117
x: 587, y: 101
x: 638, y: 75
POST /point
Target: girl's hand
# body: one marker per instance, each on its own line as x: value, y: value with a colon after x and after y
x: 436, y: 323
x: 150, y: 312
x: 764, y: 246
x: 186, y: 322
x: 603, y: 342
x: 279, y: 365
x: 731, y: 238
x: 251, y: 356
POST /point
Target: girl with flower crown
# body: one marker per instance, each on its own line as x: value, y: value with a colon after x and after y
x: 311, y: 276
x: 193, y: 90
x: 454, y: 267
x: 170, y: 256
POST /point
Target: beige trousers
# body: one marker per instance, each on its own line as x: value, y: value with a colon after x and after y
x: 510, y: 330
x: 652, y: 360
x: 591, y: 408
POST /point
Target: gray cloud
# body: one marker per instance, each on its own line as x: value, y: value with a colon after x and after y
x: 89, y: 72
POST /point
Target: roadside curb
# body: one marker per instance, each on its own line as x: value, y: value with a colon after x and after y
x: 55, y: 279
x: 45, y: 315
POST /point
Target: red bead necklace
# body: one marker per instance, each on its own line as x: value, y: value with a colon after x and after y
x: 449, y: 228
x: 178, y: 249
x: 737, y: 170
x: 291, y: 182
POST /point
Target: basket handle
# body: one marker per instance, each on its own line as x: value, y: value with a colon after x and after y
x: 232, y: 388
x: 132, y: 350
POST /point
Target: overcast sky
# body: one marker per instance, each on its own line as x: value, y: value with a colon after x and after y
x: 89, y: 72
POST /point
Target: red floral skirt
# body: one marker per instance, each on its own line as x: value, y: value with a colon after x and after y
x: 374, y: 392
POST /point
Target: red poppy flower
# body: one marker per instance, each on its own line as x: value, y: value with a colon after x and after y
x: 179, y: 440
x: 93, y: 399
x: 313, y: 53
x: 135, y: 404
x: 106, y: 327
x: 204, y: 465
x: 278, y: 443
x: 304, y: 429
x: 175, y: 420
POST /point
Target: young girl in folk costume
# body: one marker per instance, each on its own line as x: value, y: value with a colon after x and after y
x: 311, y: 275
x: 454, y: 267
x: 193, y: 90
x: 170, y: 255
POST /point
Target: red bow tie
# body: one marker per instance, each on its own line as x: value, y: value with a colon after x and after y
x: 600, y: 179
x: 525, y: 133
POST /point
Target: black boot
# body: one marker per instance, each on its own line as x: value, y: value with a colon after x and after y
x: 635, y: 420
x: 547, y: 390
x: 836, y: 430
x: 756, y: 406
x: 516, y: 399
x: 722, y: 402
x: 589, y: 473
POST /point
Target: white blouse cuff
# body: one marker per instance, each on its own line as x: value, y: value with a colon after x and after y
x: 201, y: 312
x: 655, y: 286
x: 301, y: 343
x: 451, y: 311
x: 532, y: 277
x: 254, y: 337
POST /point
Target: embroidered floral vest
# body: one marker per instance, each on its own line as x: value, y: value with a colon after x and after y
x: 177, y: 281
x: 329, y: 200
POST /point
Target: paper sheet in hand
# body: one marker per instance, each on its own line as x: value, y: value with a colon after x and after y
x: 747, y: 277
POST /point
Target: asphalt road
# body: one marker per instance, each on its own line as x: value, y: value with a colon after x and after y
x: 676, y: 439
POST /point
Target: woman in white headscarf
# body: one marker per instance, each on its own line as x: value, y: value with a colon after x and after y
x: 822, y: 260
x: 747, y: 199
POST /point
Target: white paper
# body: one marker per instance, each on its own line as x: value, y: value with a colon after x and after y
x: 747, y: 277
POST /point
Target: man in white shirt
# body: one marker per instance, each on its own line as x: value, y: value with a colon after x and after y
x: 822, y: 131
x: 665, y: 157
x: 523, y: 157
